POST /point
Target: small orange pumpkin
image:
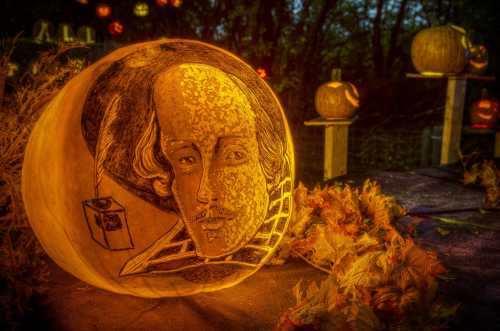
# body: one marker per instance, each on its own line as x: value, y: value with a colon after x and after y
x: 484, y: 113
x: 336, y: 99
x: 478, y: 60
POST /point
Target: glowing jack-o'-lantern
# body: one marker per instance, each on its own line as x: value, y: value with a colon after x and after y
x: 181, y: 166
x: 141, y: 9
x: 336, y: 99
x: 115, y: 28
x: 103, y: 10
x: 478, y: 60
x: 176, y: 3
x: 440, y: 49
x: 484, y: 113
x: 262, y: 73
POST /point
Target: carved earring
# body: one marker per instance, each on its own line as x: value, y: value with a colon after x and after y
x: 161, y: 186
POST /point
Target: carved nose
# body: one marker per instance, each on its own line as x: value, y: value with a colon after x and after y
x: 205, y: 192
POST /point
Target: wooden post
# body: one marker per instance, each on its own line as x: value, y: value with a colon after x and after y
x: 336, y: 140
x: 336, y: 143
x: 496, y: 151
x: 453, y: 115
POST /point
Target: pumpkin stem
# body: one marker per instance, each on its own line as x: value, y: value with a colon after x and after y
x: 484, y: 93
x: 336, y: 75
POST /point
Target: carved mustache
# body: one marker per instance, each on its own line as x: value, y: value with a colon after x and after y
x: 213, y: 213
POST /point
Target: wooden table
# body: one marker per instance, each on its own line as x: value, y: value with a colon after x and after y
x: 453, y: 113
x: 336, y: 145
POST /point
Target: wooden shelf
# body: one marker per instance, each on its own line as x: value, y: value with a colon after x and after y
x: 453, y: 112
x: 320, y: 121
x: 471, y: 130
x: 452, y: 76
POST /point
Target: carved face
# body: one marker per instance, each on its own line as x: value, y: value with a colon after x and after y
x: 141, y: 9
x: 208, y: 135
x: 484, y: 114
x: 478, y: 61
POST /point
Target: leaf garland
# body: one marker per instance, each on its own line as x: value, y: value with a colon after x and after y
x: 487, y: 175
x: 377, y: 279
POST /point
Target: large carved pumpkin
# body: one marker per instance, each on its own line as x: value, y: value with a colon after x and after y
x: 484, y: 112
x: 164, y: 169
x: 336, y: 99
x: 440, y: 49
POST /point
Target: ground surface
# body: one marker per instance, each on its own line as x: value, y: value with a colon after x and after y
x: 471, y: 254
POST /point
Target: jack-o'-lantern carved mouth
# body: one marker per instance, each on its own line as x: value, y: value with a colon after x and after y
x: 353, y: 100
x: 485, y: 116
x: 477, y: 64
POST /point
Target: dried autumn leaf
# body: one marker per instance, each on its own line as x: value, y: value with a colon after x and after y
x: 372, y: 268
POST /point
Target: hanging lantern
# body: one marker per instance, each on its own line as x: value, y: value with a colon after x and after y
x: 161, y: 3
x: 484, y: 113
x: 336, y: 99
x: 262, y: 73
x: 103, y: 10
x: 141, y: 9
x: 176, y: 3
x: 115, y: 28
x: 478, y: 61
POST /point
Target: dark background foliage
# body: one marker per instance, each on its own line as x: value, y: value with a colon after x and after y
x: 298, y: 42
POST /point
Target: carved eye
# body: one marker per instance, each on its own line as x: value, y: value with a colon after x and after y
x: 235, y: 156
x: 187, y: 160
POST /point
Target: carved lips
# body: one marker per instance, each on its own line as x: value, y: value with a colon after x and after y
x: 213, y: 218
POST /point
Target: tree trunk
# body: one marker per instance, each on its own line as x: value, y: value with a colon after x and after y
x: 394, y: 41
x: 378, y: 52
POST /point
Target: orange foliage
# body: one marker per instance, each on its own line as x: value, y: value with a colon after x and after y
x: 377, y: 278
x: 488, y: 176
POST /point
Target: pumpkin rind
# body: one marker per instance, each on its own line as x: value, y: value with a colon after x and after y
x: 438, y: 50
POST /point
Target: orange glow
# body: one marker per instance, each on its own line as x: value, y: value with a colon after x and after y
x: 262, y: 73
x: 115, y: 28
x: 481, y: 126
x: 485, y: 116
x: 176, y: 3
x: 103, y: 10
x: 161, y: 3
x: 484, y: 104
x: 478, y: 65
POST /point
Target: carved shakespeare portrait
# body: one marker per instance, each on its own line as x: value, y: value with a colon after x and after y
x: 191, y: 131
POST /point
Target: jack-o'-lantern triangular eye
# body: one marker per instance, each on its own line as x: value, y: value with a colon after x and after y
x: 335, y: 84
